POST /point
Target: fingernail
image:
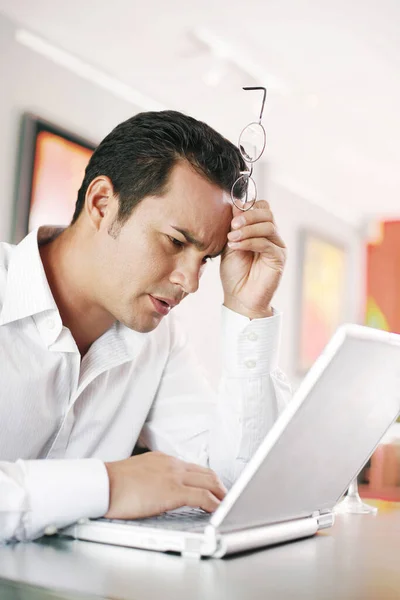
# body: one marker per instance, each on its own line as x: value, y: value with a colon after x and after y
x: 238, y: 222
x: 234, y: 235
x: 233, y: 245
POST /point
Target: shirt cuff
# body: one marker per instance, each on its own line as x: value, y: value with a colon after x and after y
x: 250, y: 346
x: 61, y: 492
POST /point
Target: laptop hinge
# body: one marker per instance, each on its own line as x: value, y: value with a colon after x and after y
x: 325, y: 518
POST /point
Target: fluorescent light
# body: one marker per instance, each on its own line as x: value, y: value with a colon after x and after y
x: 221, y: 49
x: 86, y: 71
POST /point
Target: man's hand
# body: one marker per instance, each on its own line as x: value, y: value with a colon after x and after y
x: 253, y: 262
x: 147, y: 485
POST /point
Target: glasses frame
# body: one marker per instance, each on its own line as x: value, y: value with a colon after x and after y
x: 248, y: 174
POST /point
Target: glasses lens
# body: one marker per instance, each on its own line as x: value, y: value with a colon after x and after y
x: 244, y: 192
x: 252, y: 142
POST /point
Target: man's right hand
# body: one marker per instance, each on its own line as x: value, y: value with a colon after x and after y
x: 152, y: 483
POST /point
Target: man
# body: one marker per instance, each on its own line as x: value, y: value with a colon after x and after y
x: 90, y: 359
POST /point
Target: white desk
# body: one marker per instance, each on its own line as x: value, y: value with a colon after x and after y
x: 359, y: 558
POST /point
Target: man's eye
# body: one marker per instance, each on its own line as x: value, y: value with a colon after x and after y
x: 176, y: 242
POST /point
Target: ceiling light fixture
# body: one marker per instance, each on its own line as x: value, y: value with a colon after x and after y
x: 227, y: 52
x: 85, y: 70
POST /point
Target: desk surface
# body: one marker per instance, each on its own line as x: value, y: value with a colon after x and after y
x: 358, y: 558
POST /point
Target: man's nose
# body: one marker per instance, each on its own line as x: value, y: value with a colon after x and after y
x: 192, y: 283
x: 188, y: 277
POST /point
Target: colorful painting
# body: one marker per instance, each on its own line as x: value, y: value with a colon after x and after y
x: 52, y: 164
x: 323, y: 280
x: 382, y: 308
x: 58, y: 172
x: 383, y: 279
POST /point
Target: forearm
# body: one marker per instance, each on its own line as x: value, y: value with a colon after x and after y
x: 252, y: 394
x: 246, y: 411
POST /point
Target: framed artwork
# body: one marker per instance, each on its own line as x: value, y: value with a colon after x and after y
x: 322, y: 295
x: 383, y: 279
x: 51, y: 167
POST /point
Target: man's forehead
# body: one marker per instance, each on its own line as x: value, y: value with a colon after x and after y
x: 206, y: 224
x: 205, y: 221
x: 190, y: 191
x: 194, y: 205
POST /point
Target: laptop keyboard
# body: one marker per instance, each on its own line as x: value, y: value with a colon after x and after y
x: 181, y: 519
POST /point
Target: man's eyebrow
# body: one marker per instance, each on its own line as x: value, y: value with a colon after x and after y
x: 189, y: 237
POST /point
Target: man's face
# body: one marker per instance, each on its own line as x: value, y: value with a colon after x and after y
x: 154, y: 261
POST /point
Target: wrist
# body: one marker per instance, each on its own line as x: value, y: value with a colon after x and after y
x: 236, y: 306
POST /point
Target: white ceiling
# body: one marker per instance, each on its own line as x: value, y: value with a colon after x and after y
x: 332, y: 69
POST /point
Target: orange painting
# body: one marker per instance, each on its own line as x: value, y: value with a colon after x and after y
x: 59, y: 167
x: 382, y: 308
x: 383, y: 279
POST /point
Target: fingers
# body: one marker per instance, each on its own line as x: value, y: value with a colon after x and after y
x: 252, y: 216
x: 202, y: 487
x: 206, y: 481
x: 264, y: 229
x: 260, y: 246
x: 200, y: 498
x: 257, y: 224
x: 262, y: 234
x: 195, y: 476
x: 202, y: 477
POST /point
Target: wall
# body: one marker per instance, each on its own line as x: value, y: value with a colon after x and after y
x: 30, y: 82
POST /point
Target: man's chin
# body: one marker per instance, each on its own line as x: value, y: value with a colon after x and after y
x: 143, y: 326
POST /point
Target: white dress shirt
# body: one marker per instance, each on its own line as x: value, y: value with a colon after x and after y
x: 129, y: 387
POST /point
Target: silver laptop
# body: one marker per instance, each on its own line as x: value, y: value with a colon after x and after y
x: 288, y: 490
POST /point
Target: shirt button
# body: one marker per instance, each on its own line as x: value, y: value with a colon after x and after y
x: 50, y: 530
x: 51, y: 323
x: 252, y: 336
x: 250, y: 364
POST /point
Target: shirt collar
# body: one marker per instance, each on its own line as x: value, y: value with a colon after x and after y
x: 27, y: 292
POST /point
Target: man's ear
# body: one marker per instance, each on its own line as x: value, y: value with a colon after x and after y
x: 100, y: 204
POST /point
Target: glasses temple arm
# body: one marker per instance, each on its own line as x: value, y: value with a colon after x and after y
x: 264, y: 97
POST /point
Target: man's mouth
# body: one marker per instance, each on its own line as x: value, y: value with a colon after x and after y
x: 163, y: 305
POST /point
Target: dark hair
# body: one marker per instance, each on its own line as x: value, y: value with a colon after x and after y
x: 139, y: 153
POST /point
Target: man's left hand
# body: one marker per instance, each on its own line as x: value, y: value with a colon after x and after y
x: 252, y: 264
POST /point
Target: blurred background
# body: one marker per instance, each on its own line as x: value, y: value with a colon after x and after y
x: 71, y: 71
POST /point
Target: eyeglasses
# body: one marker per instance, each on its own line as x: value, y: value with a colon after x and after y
x: 251, y: 145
